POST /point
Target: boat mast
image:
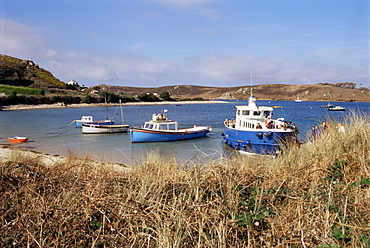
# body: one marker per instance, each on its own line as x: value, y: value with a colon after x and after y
x: 120, y: 104
x: 106, y: 106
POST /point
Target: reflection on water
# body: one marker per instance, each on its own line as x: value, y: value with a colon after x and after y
x: 51, y: 131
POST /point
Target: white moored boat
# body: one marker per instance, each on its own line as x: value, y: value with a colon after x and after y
x: 93, y: 128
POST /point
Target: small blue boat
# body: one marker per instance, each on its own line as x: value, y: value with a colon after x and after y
x: 161, y: 129
x: 253, y: 131
x: 89, y: 120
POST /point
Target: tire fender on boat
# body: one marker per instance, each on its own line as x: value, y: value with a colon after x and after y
x: 259, y: 135
x: 268, y: 134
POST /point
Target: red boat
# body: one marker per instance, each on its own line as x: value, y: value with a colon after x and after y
x: 18, y: 139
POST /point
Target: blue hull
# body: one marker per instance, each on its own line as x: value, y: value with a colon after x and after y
x: 142, y: 135
x: 257, y: 142
x: 79, y: 123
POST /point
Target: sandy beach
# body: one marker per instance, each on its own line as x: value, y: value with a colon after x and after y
x: 9, y: 152
x: 85, y: 105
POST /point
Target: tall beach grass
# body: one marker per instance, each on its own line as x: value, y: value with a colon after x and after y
x: 315, y: 195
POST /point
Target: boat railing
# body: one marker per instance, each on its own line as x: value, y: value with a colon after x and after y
x: 276, y: 125
x: 230, y: 123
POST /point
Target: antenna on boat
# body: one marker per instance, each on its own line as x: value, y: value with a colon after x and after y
x: 251, y: 85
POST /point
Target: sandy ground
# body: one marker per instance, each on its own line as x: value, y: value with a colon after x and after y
x: 9, y: 152
x: 84, y: 105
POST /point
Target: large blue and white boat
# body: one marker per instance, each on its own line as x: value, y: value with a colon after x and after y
x: 254, y: 131
x: 161, y: 129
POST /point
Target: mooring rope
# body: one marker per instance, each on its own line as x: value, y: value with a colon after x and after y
x: 68, y: 124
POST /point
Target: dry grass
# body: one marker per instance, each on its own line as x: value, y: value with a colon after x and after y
x: 316, y: 195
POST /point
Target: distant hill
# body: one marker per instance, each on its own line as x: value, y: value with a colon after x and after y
x: 26, y: 73
x: 316, y: 92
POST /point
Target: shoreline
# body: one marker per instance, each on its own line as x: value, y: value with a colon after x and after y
x: 86, y: 105
x: 8, y: 151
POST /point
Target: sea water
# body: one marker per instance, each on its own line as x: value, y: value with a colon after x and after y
x: 52, y: 130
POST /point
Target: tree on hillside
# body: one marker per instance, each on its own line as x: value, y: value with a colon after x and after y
x: 148, y: 97
x: 108, y: 97
x: 165, y: 96
x: 87, y: 99
x: 346, y: 85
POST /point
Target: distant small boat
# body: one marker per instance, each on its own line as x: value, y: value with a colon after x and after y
x: 277, y: 106
x: 298, y: 100
x: 17, y: 139
x: 329, y: 105
x: 337, y: 108
x: 161, y: 129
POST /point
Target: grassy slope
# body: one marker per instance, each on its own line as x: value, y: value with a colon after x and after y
x: 316, y: 195
x: 16, y: 69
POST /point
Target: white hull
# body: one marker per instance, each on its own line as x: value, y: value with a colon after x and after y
x: 96, y: 129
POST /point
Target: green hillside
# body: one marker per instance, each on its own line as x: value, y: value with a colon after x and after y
x: 18, y: 72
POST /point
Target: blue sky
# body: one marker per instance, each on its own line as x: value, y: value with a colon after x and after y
x: 150, y: 43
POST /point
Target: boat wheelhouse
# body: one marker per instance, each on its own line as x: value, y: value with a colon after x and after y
x: 87, y: 119
x: 161, y: 129
x: 254, y: 131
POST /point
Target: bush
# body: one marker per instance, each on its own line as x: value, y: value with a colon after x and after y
x: 148, y: 97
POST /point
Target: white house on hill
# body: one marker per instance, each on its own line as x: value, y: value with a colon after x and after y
x: 72, y: 82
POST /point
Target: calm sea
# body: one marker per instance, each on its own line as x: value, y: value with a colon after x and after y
x: 49, y: 130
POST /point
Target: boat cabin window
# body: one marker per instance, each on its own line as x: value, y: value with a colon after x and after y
x: 162, y: 126
x: 245, y: 112
x: 172, y: 126
x: 87, y: 118
x: 148, y: 125
x: 266, y: 113
x: 256, y: 113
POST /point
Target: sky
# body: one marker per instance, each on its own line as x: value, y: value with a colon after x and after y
x: 220, y: 43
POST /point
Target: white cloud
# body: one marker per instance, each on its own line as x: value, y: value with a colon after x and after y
x: 194, y: 7
x: 139, y: 46
x: 19, y: 40
x: 185, y: 3
x: 209, y: 13
x: 118, y: 70
x: 23, y: 41
x: 89, y: 69
x: 236, y: 70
